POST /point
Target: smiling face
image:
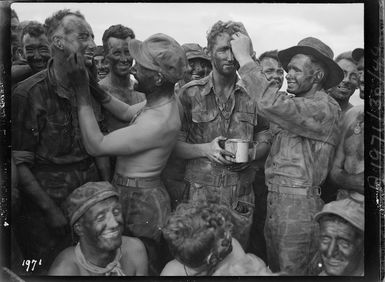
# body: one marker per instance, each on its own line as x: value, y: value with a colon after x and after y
x: 102, y: 225
x: 119, y: 56
x: 273, y: 70
x: 199, y: 68
x: 300, y: 75
x: 101, y: 66
x: 222, y: 57
x: 78, y: 37
x: 341, y: 248
x: 36, y: 51
x: 349, y: 84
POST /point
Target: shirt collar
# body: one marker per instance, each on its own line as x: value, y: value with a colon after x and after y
x: 59, y: 89
x: 209, y: 87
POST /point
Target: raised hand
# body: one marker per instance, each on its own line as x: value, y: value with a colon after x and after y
x: 76, y: 70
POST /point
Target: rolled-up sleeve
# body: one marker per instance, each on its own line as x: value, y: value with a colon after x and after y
x: 25, y: 129
x: 310, y: 118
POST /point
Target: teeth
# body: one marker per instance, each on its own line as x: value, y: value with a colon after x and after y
x: 108, y: 235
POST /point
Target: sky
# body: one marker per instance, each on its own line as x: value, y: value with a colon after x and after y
x: 270, y: 26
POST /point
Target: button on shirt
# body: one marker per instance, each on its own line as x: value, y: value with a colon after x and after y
x: 305, y: 131
x: 45, y: 127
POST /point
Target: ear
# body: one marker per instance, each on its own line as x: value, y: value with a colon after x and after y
x: 318, y: 77
x: 57, y: 42
x: 159, y: 79
x: 78, y: 229
x: 212, y: 259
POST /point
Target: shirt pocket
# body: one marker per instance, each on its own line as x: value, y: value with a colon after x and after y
x: 203, y: 125
x: 245, y: 124
x: 58, y: 139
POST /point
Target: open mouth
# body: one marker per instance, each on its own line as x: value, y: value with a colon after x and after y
x: 110, y: 234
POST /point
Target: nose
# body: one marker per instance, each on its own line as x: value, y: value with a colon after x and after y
x: 332, y: 249
x: 36, y: 54
x: 112, y: 221
x: 92, y: 44
x: 230, y: 56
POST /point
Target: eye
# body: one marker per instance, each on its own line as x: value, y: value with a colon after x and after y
x: 324, y: 239
x: 117, y: 211
x: 344, y: 243
x: 100, y: 217
x: 280, y: 72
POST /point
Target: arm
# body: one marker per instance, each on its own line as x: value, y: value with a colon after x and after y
x: 302, y: 116
x: 118, y: 108
x: 140, y: 259
x: 344, y: 180
x: 32, y: 188
x: 63, y: 265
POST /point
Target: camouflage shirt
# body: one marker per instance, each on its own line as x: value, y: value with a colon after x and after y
x: 206, y: 117
x: 305, y: 131
x: 45, y: 127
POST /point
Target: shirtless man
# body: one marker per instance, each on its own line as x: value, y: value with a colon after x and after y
x: 143, y: 147
x: 347, y: 172
x: 96, y: 218
x: 199, y: 237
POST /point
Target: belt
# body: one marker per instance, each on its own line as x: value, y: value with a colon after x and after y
x: 138, y: 182
x: 303, y: 191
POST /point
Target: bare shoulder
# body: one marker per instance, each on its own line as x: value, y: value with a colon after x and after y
x: 65, y: 263
x: 132, y: 244
x: 173, y: 268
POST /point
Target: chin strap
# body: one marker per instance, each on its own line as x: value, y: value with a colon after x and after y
x: 112, y: 269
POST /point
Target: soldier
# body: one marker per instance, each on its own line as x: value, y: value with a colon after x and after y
x: 217, y: 108
x: 305, y: 135
x: 47, y: 147
x: 95, y: 215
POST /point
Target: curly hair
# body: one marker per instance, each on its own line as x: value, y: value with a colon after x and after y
x: 52, y: 23
x: 33, y: 28
x: 218, y: 28
x: 194, y: 229
x: 117, y: 31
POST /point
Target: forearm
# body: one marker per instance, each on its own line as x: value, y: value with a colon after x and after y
x: 30, y: 186
x: 90, y: 131
x: 188, y: 151
x: 344, y: 180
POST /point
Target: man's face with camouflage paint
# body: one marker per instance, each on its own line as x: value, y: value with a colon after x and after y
x: 102, y: 225
x: 341, y: 248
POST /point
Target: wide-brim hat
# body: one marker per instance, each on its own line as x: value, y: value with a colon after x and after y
x: 160, y: 53
x: 321, y: 51
x: 352, y: 209
x: 357, y: 54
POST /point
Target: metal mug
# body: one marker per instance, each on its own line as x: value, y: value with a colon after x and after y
x: 240, y: 148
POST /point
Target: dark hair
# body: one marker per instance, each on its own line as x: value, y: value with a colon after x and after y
x: 117, y: 31
x: 194, y: 229
x: 218, y: 28
x: 336, y: 218
x: 33, y: 28
x: 14, y: 14
x: 269, y: 54
x: 52, y: 23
